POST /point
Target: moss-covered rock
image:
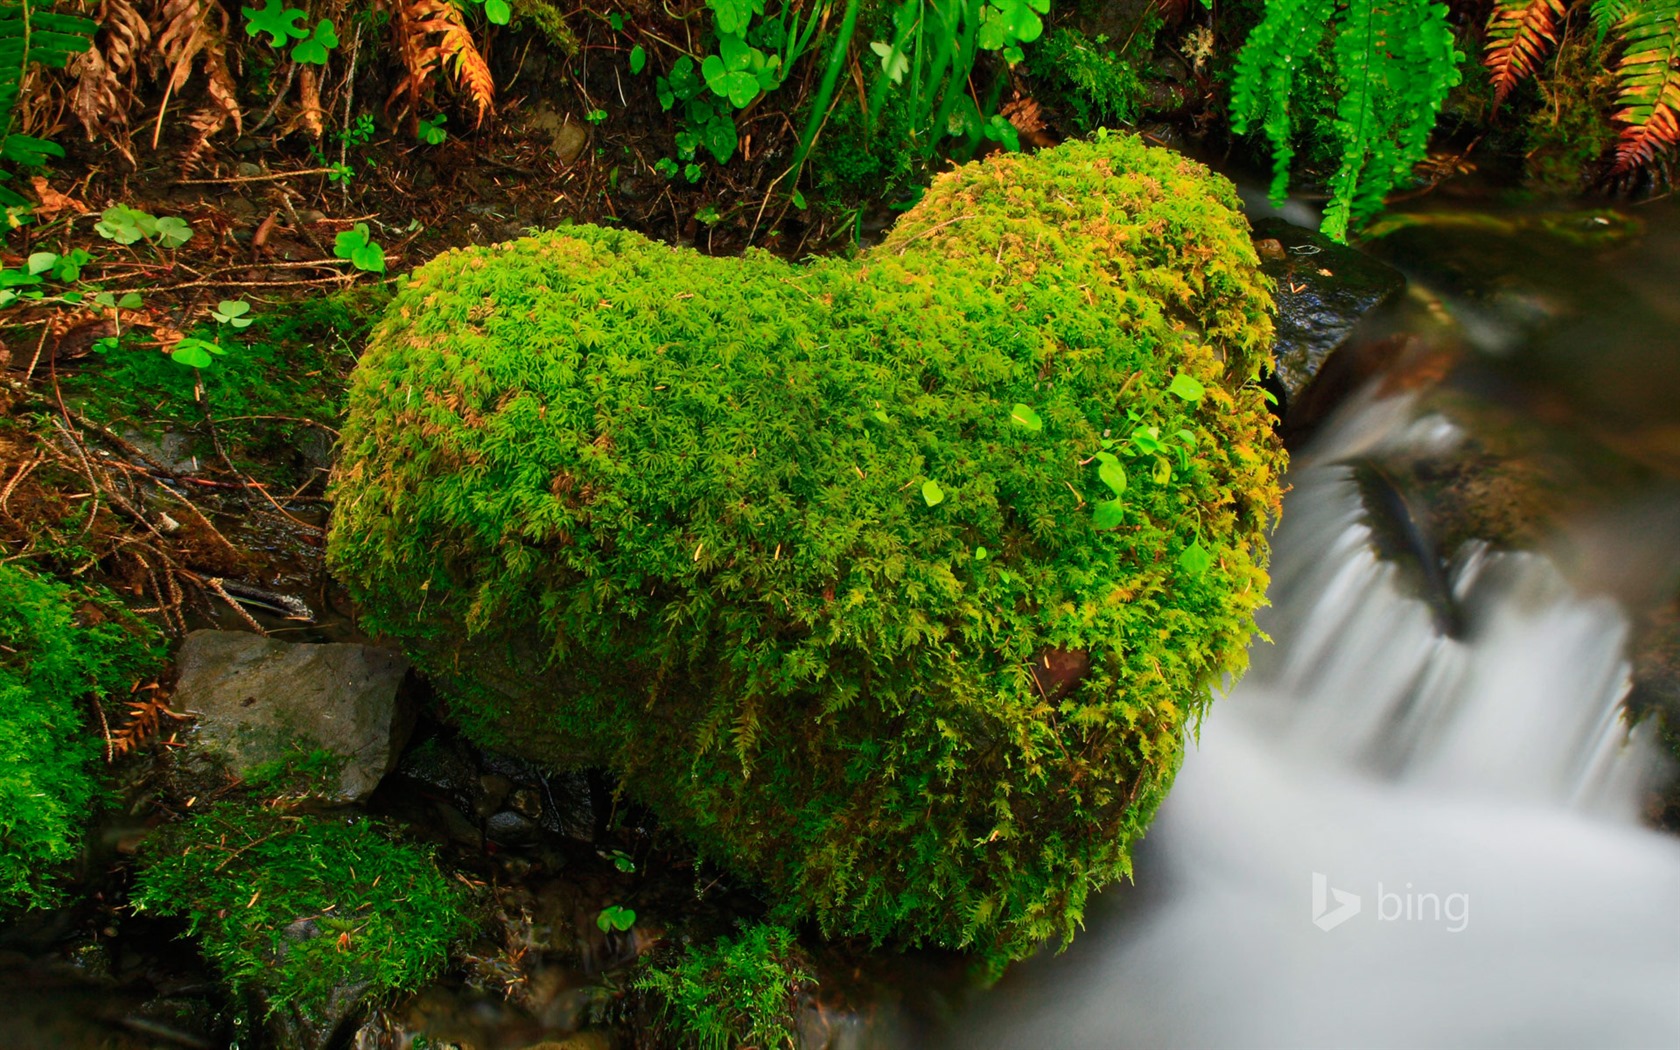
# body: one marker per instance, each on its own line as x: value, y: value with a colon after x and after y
x: 309, y: 916
x: 826, y: 560
x: 56, y: 649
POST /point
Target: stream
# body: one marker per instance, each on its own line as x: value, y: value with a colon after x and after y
x: 1390, y: 834
x: 1386, y: 837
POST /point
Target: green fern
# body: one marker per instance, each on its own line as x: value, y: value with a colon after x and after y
x: 30, y: 36
x: 1650, y: 82
x: 1394, y: 66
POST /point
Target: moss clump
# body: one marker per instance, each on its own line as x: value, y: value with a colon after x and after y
x: 736, y: 991
x: 49, y: 662
x: 301, y: 910
x: 775, y: 543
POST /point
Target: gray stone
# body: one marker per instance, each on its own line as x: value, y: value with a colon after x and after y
x: 257, y: 699
x: 1324, y: 290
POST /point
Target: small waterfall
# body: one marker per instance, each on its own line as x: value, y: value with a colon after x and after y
x: 1384, y: 836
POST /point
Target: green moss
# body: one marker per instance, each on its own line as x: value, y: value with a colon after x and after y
x: 50, y: 661
x: 1094, y: 84
x: 634, y: 506
x: 734, y: 992
x: 291, y: 908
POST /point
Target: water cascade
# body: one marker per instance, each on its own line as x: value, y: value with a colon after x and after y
x: 1387, y: 836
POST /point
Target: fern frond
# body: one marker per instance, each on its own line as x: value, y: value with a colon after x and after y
x: 1395, y: 63
x: 30, y: 36
x: 1264, y: 82
x: 1520, y: 34
x: 1607, y: 14
x: 467, y: 63
x: 414, y: 24
x: 1649, y: 77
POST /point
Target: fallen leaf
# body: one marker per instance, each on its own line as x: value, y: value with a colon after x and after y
x: 53, y: 202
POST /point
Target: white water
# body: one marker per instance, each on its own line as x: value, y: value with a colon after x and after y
x: 1494, y: 773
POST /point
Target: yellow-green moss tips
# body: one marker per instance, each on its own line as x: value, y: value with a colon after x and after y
x: 777, y: 544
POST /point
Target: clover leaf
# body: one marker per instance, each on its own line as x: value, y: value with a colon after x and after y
x: 359, y: 249
x: 173, y: 232
x: 615, y: 917
x: 932, y: 493
x: 277, y: 20
x: 313, y: 51
x: 233, y: 312
x: 195, y: 353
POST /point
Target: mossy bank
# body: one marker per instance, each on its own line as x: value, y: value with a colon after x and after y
x: 895, y: 583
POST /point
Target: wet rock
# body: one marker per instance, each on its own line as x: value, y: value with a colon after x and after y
x: 443, y: 768
x: 290, y: 1029
x: 1324, y: 290
x: 247, y: 170
x: 493, y: 789
x: 257, y: 700
x: 510, y: 828
x: 239, y: 207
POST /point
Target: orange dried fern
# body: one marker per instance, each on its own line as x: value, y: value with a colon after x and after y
x: 146, y: 719
x: 1520, y: 34
x: 429, y: 33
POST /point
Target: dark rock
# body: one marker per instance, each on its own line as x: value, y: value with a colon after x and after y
x: 444, y: 769
x: 257, y: 699
x: 527, y: 801
x: 510, y: 828
x: 1324, y: 290
x: 454, y: 824
x: 493, y: 789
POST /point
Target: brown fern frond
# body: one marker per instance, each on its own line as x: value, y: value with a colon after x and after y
x: 414, y: 24
x: 1520, y: 34
x: 471, y: 71
x: 194, y: 29
x: 145, y: 722
x: 1649, y: 75
x: 103, y: 78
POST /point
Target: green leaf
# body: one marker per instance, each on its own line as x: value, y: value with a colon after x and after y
x: 173, y: 232
x: 1108, y: 514
x: 498, y: 12
x: 1112, y: 473
x: 615, y: 917
x: 721, y: 139
x: 41, y: 262
x: 1195, y: 559
x: 894, y: 63
x: 195, y: 353
x: 932, y: 493
x: 981, y: 553
x: 1187, y: 387
x: 638, y: 60
x: 314, y: 50
x: 370, y: 257
x: 275, y: 19
x: 232, y: 312
x: 1023, y: 416
x: 129, y: 301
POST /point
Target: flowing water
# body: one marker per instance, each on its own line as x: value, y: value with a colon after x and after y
x: 1387, y: 836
